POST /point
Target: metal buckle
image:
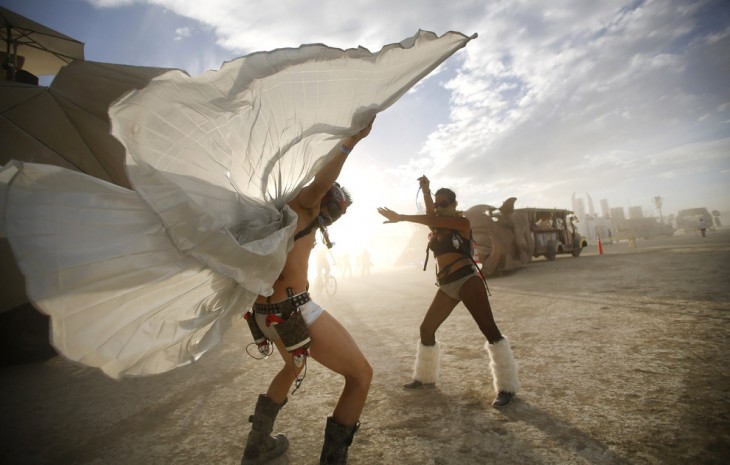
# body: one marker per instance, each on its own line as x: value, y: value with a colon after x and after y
x: 300, y: 299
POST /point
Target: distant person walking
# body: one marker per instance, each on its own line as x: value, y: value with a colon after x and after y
x: 701, y: 226
x: 346, y: 263
x: 459, y: 280
x: 365, y: 262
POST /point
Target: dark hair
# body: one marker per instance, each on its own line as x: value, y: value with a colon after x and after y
x: 348, y: 197
x: 345, y: 193
x: 448, y: 193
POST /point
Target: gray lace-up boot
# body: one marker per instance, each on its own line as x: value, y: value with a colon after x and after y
x: 337, y: 439
x: 261, y: 447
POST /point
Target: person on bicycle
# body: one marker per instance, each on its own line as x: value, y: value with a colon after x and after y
x: 318, y: 205
x: 323, y: 263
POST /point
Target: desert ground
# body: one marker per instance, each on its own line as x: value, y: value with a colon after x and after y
x: 623, y: 360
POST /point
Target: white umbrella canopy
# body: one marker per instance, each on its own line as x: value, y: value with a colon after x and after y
x: 67, y: 124
x: 44, y: 49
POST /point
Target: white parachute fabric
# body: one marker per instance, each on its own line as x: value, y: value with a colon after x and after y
x: 97, y: 260
x: 139, y: 282
x: 219, y: 155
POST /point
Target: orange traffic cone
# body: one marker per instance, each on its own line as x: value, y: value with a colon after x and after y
x: 600, y: 246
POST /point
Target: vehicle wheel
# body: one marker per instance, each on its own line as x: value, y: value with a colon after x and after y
x: 551, y: 251
x: 331, y: 285
x: 576, y: 249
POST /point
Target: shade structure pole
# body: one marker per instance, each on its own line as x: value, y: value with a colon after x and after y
x: 10, y: 50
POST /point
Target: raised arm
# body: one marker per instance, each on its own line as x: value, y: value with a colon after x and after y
x: 426, y: 189
x: 312, y: 194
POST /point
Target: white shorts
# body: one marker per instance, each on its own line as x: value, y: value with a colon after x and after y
x: 310, y: 312
x: 452, y: 289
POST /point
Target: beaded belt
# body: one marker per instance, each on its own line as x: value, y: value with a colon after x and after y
x: 285, y: 307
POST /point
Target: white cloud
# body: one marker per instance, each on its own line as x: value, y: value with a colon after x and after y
x: 621, y: 97
x: 247, y: 26
x: 584, y: 96
x: 182, y: 32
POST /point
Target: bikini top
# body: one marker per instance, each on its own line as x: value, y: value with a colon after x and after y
x: 452, y: 242
x: 449, y: 241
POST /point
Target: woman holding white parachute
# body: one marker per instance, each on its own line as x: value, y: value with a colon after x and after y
x: 141, y: 281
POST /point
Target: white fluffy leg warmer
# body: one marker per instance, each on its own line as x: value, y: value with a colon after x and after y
x: 504, y: 367
x: 426, y: 369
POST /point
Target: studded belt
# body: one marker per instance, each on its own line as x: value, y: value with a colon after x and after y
x: 285, y: 307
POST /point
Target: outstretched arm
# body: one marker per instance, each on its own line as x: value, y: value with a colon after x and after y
x: 446, y: 222
x: 312, y: 194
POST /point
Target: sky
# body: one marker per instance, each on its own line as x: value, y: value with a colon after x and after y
x: 619, y: 100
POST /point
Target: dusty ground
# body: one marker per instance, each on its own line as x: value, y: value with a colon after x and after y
x: 623, y: 359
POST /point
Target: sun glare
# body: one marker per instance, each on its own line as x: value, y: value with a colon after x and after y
x: 361, y: 230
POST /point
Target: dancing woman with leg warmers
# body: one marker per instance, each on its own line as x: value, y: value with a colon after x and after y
x: 459, y: 280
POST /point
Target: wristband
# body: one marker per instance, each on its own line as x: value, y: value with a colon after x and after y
x: 345, y: 150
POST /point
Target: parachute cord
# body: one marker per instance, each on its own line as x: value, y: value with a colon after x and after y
x: 418, y: 206
x: 263, y: 354
x: 299, y: 379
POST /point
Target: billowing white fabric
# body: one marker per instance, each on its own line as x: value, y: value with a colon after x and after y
x: 97, y: 259
x: 139, y: 282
